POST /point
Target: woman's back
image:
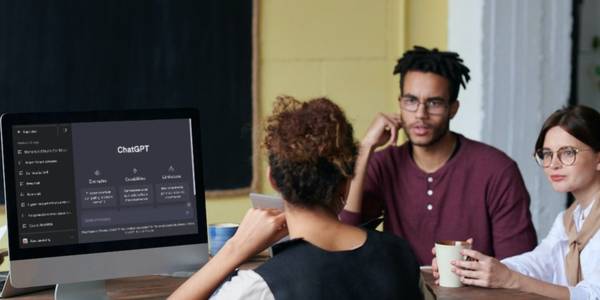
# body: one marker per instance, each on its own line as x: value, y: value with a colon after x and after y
x: 384, y: 267
x: 311, y: 153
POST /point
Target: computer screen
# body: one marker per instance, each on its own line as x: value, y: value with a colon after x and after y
x: 100, y: 195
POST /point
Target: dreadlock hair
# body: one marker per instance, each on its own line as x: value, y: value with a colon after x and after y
x: 444, y: 63
x: 311, y: 151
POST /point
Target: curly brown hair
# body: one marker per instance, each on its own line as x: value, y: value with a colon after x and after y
x: 311, y: 150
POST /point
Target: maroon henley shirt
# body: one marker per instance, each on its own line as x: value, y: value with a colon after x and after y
x: 479, y: 193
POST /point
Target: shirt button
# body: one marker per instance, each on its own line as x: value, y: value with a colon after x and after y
x: 429, y: 207
x: 429, y: 179
x: 429, y: 192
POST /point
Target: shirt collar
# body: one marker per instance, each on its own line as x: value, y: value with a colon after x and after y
x: 580, y: 214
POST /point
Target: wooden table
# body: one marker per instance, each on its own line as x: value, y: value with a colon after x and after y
x: 143, y: 287
x: 160, y: 287
x: 470, y: 292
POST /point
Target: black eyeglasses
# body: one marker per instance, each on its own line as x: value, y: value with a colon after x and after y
x: 432, y: 106
x: 566, y: 155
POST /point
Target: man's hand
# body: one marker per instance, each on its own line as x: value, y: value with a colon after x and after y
x: 383, y: 130
x: 434, y: 267
x: 259, y: 229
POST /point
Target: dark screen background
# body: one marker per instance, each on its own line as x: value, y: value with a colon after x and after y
x: 114, y: 54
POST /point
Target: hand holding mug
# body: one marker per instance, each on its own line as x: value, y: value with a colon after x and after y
x: 444, y: 252
x: 484, y: 271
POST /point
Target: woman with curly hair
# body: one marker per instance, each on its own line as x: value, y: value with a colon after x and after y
x: 311, y: 153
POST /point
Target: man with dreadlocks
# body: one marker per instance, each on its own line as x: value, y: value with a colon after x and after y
x: 439, y: 185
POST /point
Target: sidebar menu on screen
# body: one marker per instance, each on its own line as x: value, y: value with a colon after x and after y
x: 43, y: 161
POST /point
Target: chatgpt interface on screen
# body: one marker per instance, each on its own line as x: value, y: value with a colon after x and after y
x: 104, y: 181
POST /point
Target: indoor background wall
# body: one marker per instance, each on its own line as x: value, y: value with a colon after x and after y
x: 520, y: 56
x: 342, y: 49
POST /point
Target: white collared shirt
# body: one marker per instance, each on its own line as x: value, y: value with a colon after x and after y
x: 547, y: 261
x: 247, y: 284
x: 579, y: 215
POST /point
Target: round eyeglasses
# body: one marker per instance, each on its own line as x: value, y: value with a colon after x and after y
x: 432, y: 106
x: 566, y: 156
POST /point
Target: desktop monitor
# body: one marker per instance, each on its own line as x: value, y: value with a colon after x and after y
x: 98, y: 195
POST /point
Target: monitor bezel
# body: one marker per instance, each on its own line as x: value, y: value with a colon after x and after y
x: 8, y: 120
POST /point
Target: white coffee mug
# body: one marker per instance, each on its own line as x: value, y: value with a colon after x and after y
x: 445, y: 252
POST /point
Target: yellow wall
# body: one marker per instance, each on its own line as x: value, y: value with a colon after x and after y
x: 342, y: 49
x: 427, y: 23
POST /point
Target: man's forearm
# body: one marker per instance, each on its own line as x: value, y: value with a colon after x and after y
x: 354, y: 199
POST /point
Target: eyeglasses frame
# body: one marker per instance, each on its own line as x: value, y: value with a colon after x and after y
x: 446, y: 105
x: 541, y: 163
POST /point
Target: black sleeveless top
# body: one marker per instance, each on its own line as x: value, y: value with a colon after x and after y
x: 383, y: 268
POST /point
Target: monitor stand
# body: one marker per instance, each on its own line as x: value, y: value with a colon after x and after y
x: 81, y: 290
x: 8, y: 290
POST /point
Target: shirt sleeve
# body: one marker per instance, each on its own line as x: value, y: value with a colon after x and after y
x: 245, y: 285
x: 587, y: 289
x: 508, y: 202
x: 350, y: 217
x: 539, y: 263
x: 372, y: 201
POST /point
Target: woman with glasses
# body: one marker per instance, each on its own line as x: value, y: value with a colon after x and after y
x: 566, y: 265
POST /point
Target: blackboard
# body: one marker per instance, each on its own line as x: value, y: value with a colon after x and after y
x: 115, y: 54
